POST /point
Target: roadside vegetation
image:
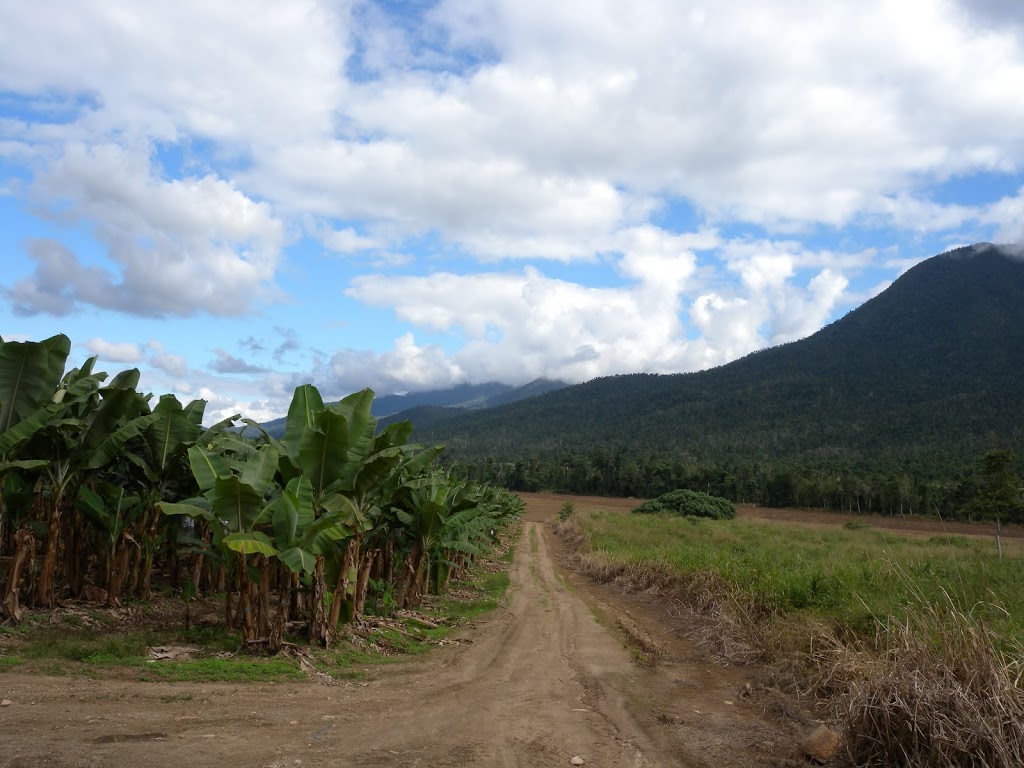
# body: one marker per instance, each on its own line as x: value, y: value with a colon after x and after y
x: 112, y: 499
x: 148, y: 641
x: 914, y: 641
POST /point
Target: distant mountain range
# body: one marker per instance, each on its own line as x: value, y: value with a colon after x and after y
x: 439, y: 403
x: 923, y: 377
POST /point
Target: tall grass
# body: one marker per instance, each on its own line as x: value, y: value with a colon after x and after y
x: 845, y: 577
x: 914, y: 640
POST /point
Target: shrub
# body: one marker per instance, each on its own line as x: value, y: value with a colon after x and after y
x: 567, y: 511
x: 690, y: 504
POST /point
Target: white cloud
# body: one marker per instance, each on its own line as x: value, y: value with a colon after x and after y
x: 1007, y: 214
x: 179, y: 246
x: 518, y: 326
x: 233, y: 71
x: 347, y: 240
x: 769, y: 113
x: 172, y: 364
x: 115, y: 352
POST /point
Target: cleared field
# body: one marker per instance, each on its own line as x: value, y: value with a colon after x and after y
x: 544, y: 506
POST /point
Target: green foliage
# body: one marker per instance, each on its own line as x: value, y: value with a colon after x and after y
x: 1001, y: 495
x: 567, y: 511
x: 689, y: 504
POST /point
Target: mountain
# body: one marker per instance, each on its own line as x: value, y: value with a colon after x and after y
x: 439, y: 403
x: 921, y: 379
x: 464, y: 396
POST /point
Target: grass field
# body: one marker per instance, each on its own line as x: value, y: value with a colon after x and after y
x: 850, y: 576
x: 915, y: 641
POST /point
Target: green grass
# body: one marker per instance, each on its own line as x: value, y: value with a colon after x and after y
x: 852, y: 576
x: 89, y: 648
x: 9, y: 662
x: 492, y: 587
x: 230, y: 670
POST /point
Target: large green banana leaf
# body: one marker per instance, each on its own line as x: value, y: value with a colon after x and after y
x: 30, y: 373
x: 306, y: 403
x: 173, y: 429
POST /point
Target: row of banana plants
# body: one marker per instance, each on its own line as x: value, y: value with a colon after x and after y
x: 101, y: 490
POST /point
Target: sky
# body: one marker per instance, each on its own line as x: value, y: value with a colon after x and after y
x: 243, y: 196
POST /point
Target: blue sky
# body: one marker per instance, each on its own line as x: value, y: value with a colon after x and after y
x: 239, y: 197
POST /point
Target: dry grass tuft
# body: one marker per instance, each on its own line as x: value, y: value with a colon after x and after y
x: 941, y: 693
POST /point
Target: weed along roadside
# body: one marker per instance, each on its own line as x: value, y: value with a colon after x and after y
x: 910, y: 644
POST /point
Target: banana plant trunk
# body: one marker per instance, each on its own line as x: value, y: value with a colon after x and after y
x: 363, y: 581
x: 244, y: 613
x: 341, y: 589
x: 150, y: 538
x: 118, y: 569
x: 45, y: 596
x: 318, y: 626
x: 24, y: 555
x: 263, y: 598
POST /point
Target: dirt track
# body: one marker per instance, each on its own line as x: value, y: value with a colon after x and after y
x: 546, y: 678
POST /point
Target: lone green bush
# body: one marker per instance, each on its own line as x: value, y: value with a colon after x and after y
x: 691, y: 504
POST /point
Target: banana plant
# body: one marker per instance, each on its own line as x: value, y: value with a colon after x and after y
x: 159, y: 462
x: 30, y: 375
x: 111, y: 513
x: 234, y: 487
x: 88, y: 433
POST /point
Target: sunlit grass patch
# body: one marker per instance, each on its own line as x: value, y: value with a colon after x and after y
x: 226, y: 670
x: 834, y: 574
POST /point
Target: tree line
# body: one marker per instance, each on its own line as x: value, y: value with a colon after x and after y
x: 966, y: 493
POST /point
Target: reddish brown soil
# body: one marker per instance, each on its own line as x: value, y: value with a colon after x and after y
x: 554, y: 674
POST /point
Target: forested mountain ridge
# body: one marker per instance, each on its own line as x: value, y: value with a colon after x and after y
x: 918, y: 381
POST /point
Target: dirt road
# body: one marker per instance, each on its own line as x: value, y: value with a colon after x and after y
x: 545, y: 679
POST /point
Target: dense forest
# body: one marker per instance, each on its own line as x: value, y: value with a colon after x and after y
x: 890, y: 408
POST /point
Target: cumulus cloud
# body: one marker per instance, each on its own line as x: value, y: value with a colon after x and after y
x: 178, y: 247
x: 347, y: 240
x: 234, y: 71
x: 516, y: 326
x: 115, y: 352
x: 407, y: 366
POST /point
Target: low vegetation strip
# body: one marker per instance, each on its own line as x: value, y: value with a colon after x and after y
x: 87, y: 640
x: 914, y: 641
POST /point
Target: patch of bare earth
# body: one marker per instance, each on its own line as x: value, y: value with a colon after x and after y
x: 565, y: 671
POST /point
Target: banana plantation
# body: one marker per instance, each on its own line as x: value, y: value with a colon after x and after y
x: 108, y: 495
